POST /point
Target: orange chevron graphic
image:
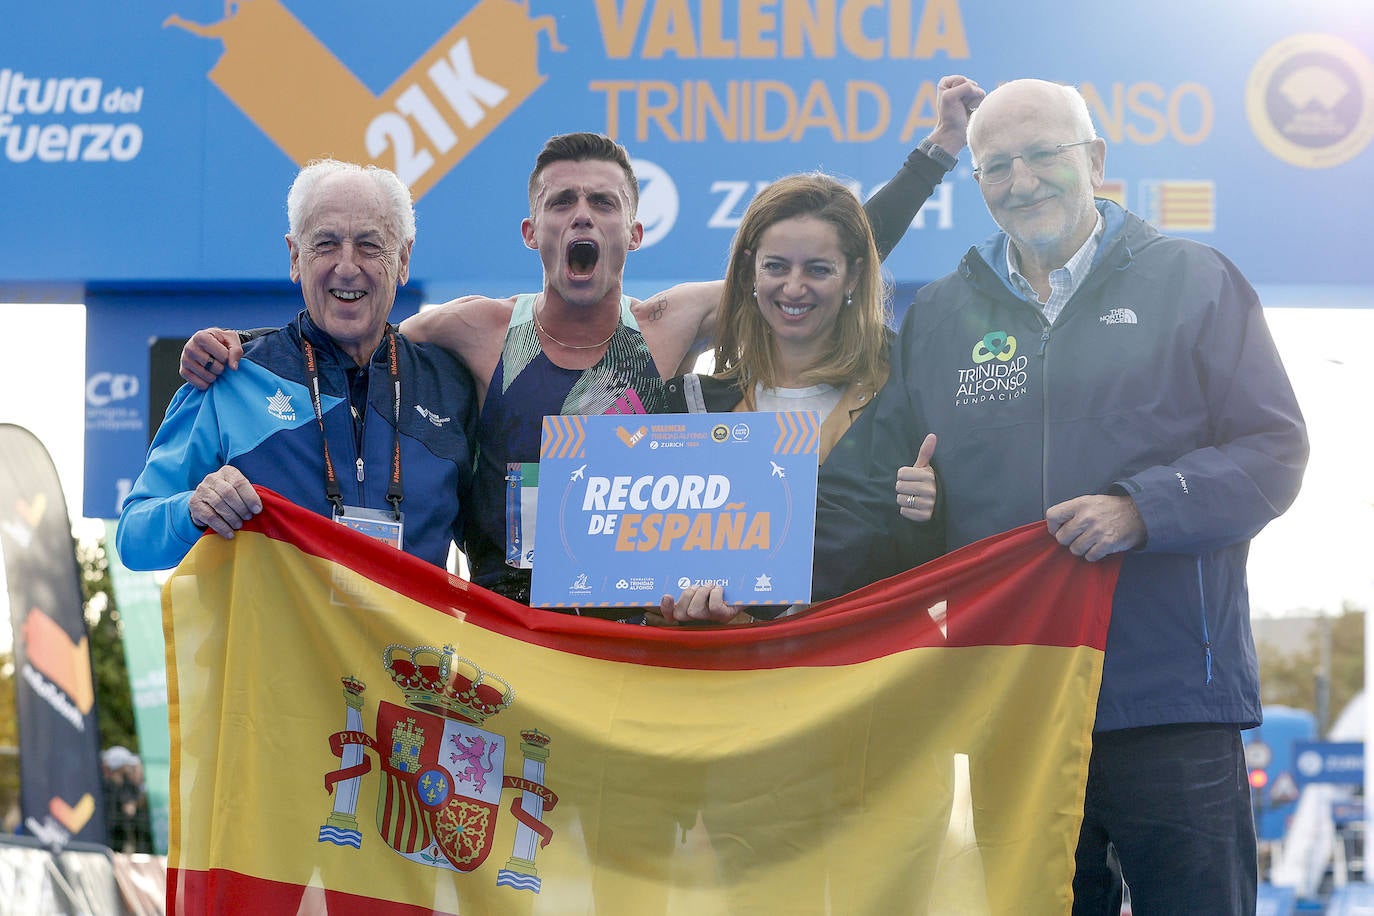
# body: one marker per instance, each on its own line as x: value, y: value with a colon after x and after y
x: 32, y: 512
x: 72, y: 818
x: 563, y: 437
x: 787, y: 435
x: 52, y: 653
x: 468, y: 82
x: 798, y: 434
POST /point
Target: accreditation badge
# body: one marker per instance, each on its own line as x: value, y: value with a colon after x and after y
x: 522, y: 502
x: 381, y: 524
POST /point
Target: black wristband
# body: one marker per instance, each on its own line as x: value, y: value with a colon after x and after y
x: 937, y: 154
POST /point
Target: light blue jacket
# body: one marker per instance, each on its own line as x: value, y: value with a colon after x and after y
x: 260, y: 420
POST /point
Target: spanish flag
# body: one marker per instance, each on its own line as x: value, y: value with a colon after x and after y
x: 355, y: 731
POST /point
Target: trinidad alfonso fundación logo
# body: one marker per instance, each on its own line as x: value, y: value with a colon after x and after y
x: 441, y: 774
x: 996, y: 373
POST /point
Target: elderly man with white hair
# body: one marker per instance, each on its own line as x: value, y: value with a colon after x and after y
x: 337, y: 411
x: 1083, y: 369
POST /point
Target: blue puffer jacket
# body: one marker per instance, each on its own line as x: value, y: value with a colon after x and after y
x: 260, y: 420
x: 1159, y: 380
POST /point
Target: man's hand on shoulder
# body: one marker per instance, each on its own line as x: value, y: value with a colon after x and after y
x: 206, y: 355
x: 1093, y: 527
x: 223, y: 501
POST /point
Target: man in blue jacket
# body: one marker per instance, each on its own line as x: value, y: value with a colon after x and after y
x: 1081, y: 368
x: 336, y: 411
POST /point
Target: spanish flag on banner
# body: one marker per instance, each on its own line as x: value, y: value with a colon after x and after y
x: 355, y: 731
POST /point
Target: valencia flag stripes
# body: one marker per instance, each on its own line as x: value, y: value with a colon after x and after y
x: 355, y: 731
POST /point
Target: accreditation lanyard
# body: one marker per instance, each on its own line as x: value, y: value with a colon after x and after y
x: 394, y: 493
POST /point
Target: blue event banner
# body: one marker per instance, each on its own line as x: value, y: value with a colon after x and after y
x: 632, y: 507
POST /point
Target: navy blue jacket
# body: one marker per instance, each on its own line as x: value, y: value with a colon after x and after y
x: 260, y: 420
x: 1159, y: 380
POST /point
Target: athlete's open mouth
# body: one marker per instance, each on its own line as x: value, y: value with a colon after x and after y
x: 582, y: 257
x: 347, y: 295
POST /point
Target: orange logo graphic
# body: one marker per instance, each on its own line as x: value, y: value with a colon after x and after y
x: 66, y: 664
x: 299, y: 94
x: 631, y: 439
x: 72, y: 818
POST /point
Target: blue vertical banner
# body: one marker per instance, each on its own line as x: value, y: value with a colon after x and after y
x: 59, y: 742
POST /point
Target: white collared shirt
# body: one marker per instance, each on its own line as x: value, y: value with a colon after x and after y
x: 1064, y: 281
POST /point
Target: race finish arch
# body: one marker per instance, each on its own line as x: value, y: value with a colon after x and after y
x: 146, y: 148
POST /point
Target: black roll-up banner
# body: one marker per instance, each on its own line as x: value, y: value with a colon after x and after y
x: 59, y: 743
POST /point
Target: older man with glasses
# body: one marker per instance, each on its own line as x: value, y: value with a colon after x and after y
x: 1081, y: 368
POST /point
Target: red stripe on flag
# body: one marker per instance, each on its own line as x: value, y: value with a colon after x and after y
x: 223, y: 891
x: 989, y: 589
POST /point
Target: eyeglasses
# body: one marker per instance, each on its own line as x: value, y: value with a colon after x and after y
x: 996, y: 171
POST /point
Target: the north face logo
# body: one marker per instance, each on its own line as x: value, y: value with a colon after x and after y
x: 1118, y: 316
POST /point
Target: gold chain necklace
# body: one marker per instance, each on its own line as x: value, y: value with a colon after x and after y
x: 596, y: 346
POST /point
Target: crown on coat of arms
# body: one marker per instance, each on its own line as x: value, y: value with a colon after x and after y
x: 448, y: 685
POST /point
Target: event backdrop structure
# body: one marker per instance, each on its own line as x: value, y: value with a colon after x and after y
x: 147, y: 146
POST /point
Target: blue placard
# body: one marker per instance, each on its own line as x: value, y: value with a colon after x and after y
x: 635, y: 507
x: 1340, y: 762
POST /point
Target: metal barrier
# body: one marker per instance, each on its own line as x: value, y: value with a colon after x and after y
x: 83, y: 878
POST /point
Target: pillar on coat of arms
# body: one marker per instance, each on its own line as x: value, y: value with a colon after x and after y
x: 519, y: 871
x: 341, y: 827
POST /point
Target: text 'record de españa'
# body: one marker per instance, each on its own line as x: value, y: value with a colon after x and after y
x: 634, y: 507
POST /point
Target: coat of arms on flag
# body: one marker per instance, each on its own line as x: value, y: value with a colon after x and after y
x: 441, y: 773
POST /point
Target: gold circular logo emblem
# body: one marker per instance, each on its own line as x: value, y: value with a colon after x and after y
x: 1310, y: 100
x: 720, y: 432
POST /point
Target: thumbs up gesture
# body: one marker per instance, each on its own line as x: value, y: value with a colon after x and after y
x: 916, y: 485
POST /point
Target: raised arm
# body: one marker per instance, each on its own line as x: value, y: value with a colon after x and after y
x: 894, y: 206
